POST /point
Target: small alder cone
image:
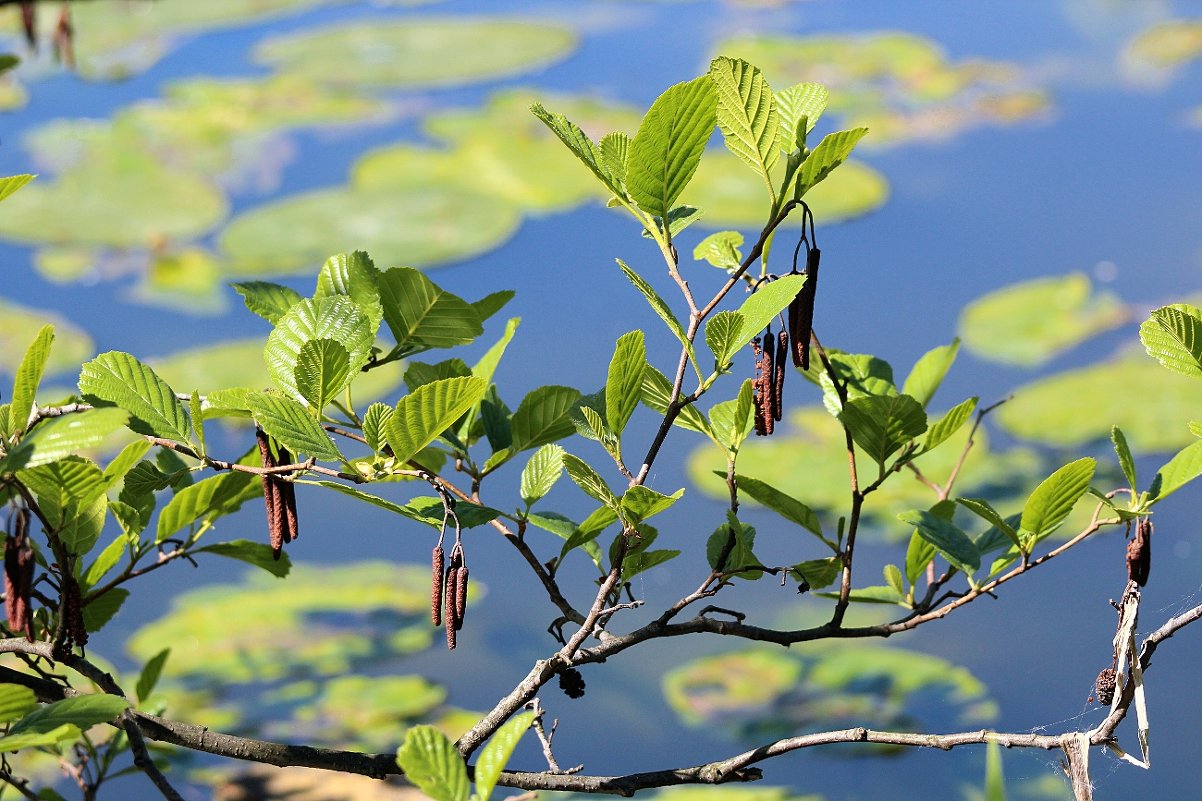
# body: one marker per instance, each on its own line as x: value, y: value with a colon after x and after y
x: 437, y: 565
x: 1139, y: 552
x: 572, y: 683
x: 1104, y: 686
x: 18, y: 576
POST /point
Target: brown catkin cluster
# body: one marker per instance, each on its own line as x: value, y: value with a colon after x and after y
x: 18, y: 575
x: 1139, y: 552
x: 72, y: 611
x: 1104, y: 686
x: 279, y: 497
x: 572, y: 683
x: 801, y: 312
x: 450, y: 594
x: 762, y: 384
x: 437, y: 565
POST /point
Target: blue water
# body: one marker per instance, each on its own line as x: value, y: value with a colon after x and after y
x: 1110, y: 177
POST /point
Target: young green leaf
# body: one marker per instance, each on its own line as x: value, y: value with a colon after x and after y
x: 786, y: 506
x: 951, y: 422
x: 422, y: 415
x: 657, y: 392
x: 613, y: 154
x: 292, y: 425
x: 732, y: 420
x: 929, y: 371
x: 487, y: 365
x: 721, y: 250
x: 624, y: 382
x: 948, y: 539
x: 15, y: 702
x: 640, y: 503
x: 1173, y: 336
x: 29, y: 377
x: 149, y: 677
x: 82, y: 711
x: 919, y: 553
x: 723, y: 555
x: 642, y: 561
x: 121, y: 380
x: 334, y: 317
x: 984, y: 510
x: 323, y: 369
x: 59, y: 438
x: 818, y: 573
x: 590, y: 481
x: 832, y: 151
x: 12, y: 183
x: 431, y: 762
x: 196, y: 414
x: 762, y: 307
x: 882, y: 424
x: 541, y: 472
x: 893, y: 578
x: 106, y: 561
x: 1126, y: 460
x: 1055, y: 497
x: 747, y: 115
x: 543, y: 416
x: 56, y: 737
x: 422, y: 316
x: 667, y: 148
x: 375, y: 419
x: 581, y: 146
x: 205, y: 501
x: 496, y: 752
x: 356, y: 277
x: 269, y: 301
x: 1184, y: 467
x: 259, y: 554
x: 492, y: 303
x: 661, y: 308
x: 803, y: 102
x: 721, y: 334
x: 995, y: 782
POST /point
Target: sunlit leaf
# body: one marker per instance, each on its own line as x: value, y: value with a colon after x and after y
x: 293, y: 426
x: 120, y: 379
x: 624, y: 382
x: 205, y: 501
x: 802, y: 101
x: 259, y: 554
x: 948, y: 539
x: 429, y: 410
x: 496, y: 752
x: 356, y: 277
x: 334, y: 317
x: 29, y: 376
x: 881, y: 425
x: 269, y: 301
x: 667, y: 148
x: 431, y: 762
x: 543, y: 416
x: 63, y: 436
x: 787, y: 507
x: 1184, y: 467
x: 541, y: 472
x: 1049, y: 505
x: 1173, y: 336
x: 657, y: 392
x: 746, y: 114
x: 322, y: 371
x: 928, y: 372
x: 421, y: 315
x: 588, y: 480
x: 832, y: 151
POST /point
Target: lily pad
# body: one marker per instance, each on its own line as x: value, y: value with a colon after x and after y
x: 1149, y: 403
x: 418, y: 52
x: 1031, y: 322
x: 318, y: 622
x: 755, y: 694
x: 732, y: 196
x: 899, y: 85
x: 364, y: 712
x: 19, y: 324
x: 808, y: 460
x: 428, y: 225
x: 1166, y: 46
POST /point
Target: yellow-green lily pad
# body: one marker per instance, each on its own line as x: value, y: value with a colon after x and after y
x: 755, y: 694
x: 1031, y: 322
x: 732, y: 196
x: 363, y: 712
x: 418, y: 52
x: 18, y: 326
x: 1166, y: 46
x: 1150, y: 404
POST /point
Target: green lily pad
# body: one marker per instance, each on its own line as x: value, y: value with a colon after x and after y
x: 732, y: 196
x: 901, y: 86
x: 808, y: 461
x: 418, y: 52
x: 1166, y: 46
x: 18, y: 326
x: 12, y: 94
x: 320, y: 621
x: 756, y: 694
x: 429, y: 225
x: 1149, y: 403
x: 363, y: 712
x: 1031, y: 322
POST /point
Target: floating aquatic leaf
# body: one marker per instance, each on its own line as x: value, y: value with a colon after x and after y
x: 364, y: 712
x: 1031, y: 322
x: 17, y: 325
x: 413, y: 52
x: 1165, y: 46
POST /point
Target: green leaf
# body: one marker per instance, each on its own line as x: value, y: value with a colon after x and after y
x: 492, y: 303
x: 660, y: 307
x: 721, y: 335
x: 882, y: 424
x: 1173, y: 336
x: 431, y: 762
x: 803, y: 101
x: 323, y: 369
x: 762, y: 307
x: 984, y: 510
x: 746, y: 114
x: 259, y: 554
x: 733, y: 420
x: 335, y: 317
x: 55, y: 737
x: 582, y: 147
x: 919, y: 554
x: 832, y: 151
x: 541, y: 472
x: 1183, y: 468
x: 818, y: 573
x: 496, y: 752
x: 83, y: 711
x: 356, y: 277
x: 929, y: 371
x: 12, y: 183
x: 880, y: 594
x: 422, y: 415
x: 624, y: 382
x: 679, y: 219
x: 196, y: 414
x: 422, y: 316
x: 292, y: 425
x: 657, y: 391
x: 15, y: 702
x: 149, y: 677
x: 487, y: 365
x: 640, y: 503
x: 543, y: 416
x: 786, y: 506
x: 642, y: 561
x: 1055, y: 497
x: 893, y: 578
x: 106, y: 561
x: 375, y: 420
x: 121, y: 380
x: 205, y: 501
x: 1126, y: 460
x: 948, y: 539
x: 995, y: 782
x: 588, y: 480
x: 100, y: 610
x: 269, y: 301
x: 70, y: 493
x: 419, y: 373
x: 943, y: 428
x: 740, y: 554
x: 60, y: 437
x: 29, y: 376
x: 667, y: 148
x: 721, y: 249
x: 613, y: 154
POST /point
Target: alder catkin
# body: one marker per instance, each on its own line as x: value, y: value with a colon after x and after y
x: 801, y: 311
x: 762, y: 384
x: 757, y: 386
x: 1105, y: 685
x: 460, y: 596
x: 288, y: 498
x: 450, y: 590
x: 19, y: 567
x: 273, y: 500
x: 778, y: 382
x: 1139, y: 552
x: 437, y: 563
